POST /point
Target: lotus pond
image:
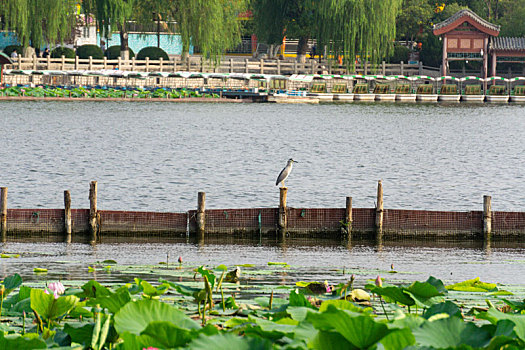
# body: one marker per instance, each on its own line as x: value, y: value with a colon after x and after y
x: 160, y: 301
x: 101, y: 92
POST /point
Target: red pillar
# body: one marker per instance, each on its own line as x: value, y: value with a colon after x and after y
x: 485, y: 57
x: 444, y: 62
x: 494, y: 61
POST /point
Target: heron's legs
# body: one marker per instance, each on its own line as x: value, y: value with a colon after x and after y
x: 282, y: 184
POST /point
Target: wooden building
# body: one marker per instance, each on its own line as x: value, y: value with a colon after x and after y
x: 467, y: 36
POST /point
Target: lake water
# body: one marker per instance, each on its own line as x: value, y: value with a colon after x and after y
x: 157, y: 156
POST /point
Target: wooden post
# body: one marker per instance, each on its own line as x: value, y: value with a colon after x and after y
x: 294, y: 67
x: 48, y: 62
x: 246, y: 68
x: 279, y: 67
x: 174, y: 63
x: 313, y: 65
x: 283, y: 220
x: 261, y: 63
x: 161, y: 63
x: 35, y: 62
x: 67, y: 215
x: 379, y: 209
x: 402, y: 68
x: 3, y: 212
x: 76, y: 63
x: 348, y: 217
x: 487, y: 217
x: 231, y: 65
x: 201, y: 212
x: 93, y: 224
x: 188, y: 62
x: 90, y: 62
x: 383, y: 68
x: 147, y: 64
x: 63, y: 62
x: 105, y: 62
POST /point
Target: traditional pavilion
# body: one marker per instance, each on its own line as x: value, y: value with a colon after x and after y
x: 467, y: 36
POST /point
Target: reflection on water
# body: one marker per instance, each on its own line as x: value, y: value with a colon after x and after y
x: 310, y: 259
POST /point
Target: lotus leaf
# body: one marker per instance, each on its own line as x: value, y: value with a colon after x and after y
x: 228, y: 341
x: 25, y: 342
x: 451, y: 332
x: 362, y: 331
x: 135, y: 316
x: 473, y: 285
x: 50, y: 308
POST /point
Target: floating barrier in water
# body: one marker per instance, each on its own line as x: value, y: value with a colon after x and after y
x: 281, y: 221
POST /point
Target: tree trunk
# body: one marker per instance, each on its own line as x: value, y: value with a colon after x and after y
x: 124, y: 48
x: 302, y: 49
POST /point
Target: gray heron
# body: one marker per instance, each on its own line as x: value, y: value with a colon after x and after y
x: 285, y: 172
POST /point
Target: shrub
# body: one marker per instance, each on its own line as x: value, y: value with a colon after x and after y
x: 10, y: 48
x: 154, y: 53
x: 113, y: 52
x: 60, y: 51
x: 400, y: 54
x: 94, y: 51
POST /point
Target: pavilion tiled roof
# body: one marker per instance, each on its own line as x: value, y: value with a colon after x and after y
x: 508, y: 44
x: 472, y: 15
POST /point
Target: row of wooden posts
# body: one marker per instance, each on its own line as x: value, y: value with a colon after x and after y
x: 94, y: 216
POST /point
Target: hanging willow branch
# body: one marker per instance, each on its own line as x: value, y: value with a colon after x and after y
x: 39, y: 22
x: 357, y: 27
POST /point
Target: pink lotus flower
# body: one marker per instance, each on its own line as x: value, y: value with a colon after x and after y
x: 379, y: 282
x: 56, y: 287
x: 150, y: 348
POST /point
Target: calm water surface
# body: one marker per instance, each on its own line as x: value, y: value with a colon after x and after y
x: 157, y: 156
x: 310, y: 260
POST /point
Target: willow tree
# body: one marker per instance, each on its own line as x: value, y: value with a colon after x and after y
x: 111, y: 15
x: 276, y: 19
x: 357, y: 27
x: 40, y: 22
x: 212, y: 25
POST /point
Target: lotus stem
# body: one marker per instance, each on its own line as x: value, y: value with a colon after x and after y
x: 23, y: 323
x: 271, y: 300
x: 384, y: 310
x: 219, y: 285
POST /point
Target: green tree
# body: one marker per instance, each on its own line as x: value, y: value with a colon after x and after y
x: 212, y: 25
x: 39, y: 22
x: 512, y: 23
x: 111, y: 15
x: 357, y: 27
x: 414, y: 16
x: 275, y: 19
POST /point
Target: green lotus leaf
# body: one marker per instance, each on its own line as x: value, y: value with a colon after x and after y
x: 494, y: 316
x: 451, y: 332
x: 50, y: 308
x: 228, y: 341
x: 167, y: 335
x: 344, y: 305
x: 80, y: 334
x: 362, y: 331
x: 392, y: 294
x: 93, y: 289
x: 134, y: 317
x: 11, y: 283
x: 447, y: 307
x: 473, y: 285
x: 327, y: 340
x: 26, y: 342
x: 398, y: 339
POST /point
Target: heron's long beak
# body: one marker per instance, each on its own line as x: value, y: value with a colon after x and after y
x: 295, y: 161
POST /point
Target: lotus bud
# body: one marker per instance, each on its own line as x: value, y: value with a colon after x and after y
x: 379, y: 282
x: 180, y: 259
x: 328, y: 287
x: 392, y: 267
x: 56, y: 287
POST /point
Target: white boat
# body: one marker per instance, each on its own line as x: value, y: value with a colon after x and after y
x: 406, y: 97
x: 322, y: 96
x: 284, y: 98
x: 497, y: 98
x: 386, y: 97
x: 517, y: 99
x: 364, y: 97
x: 449, y: 98
x: 426, y: 97
x: 473, y: 98
x: 344, y: 97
